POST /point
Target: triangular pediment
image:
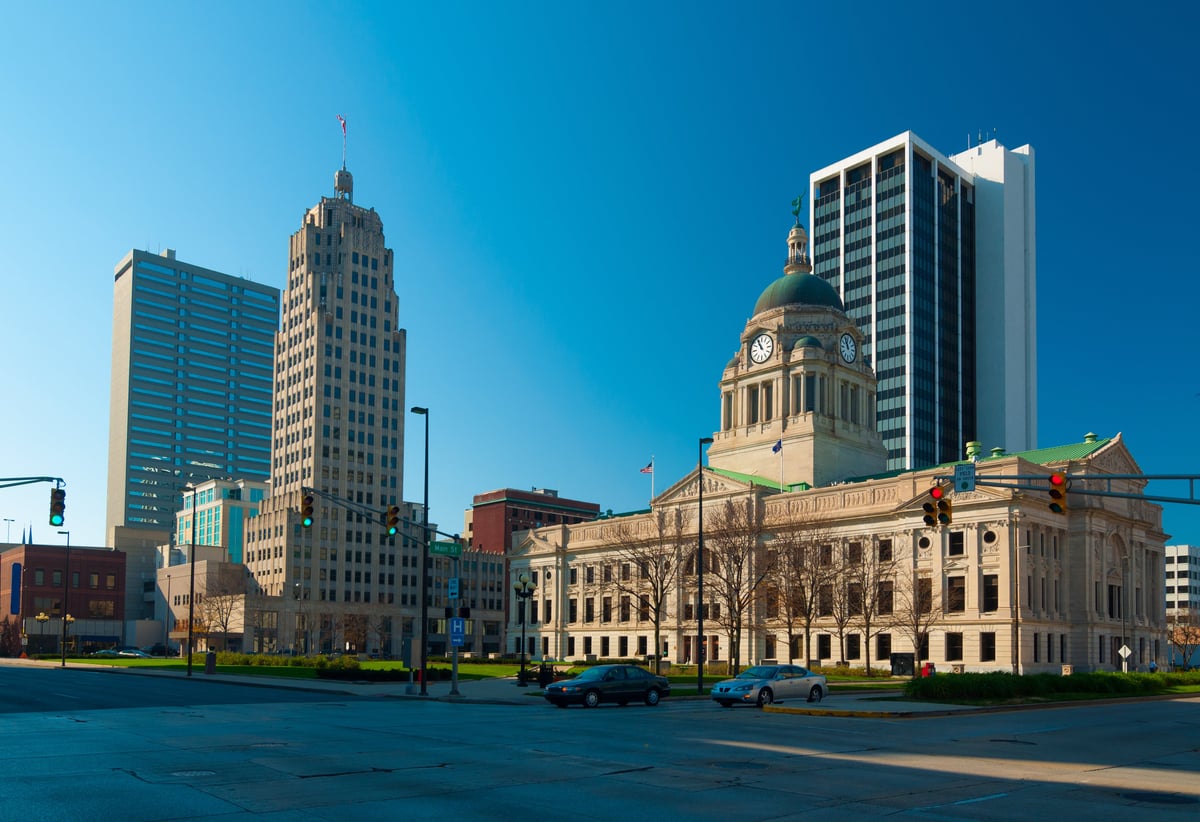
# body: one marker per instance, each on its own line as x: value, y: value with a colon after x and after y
x: 687, y: 490
x: 1114, y: 458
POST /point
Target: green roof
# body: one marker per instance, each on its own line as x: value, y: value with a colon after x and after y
x: 803, y: 289
x: 750, y: 479
x: 1038, y: 456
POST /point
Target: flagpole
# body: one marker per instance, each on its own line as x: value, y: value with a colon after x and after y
x: 652, y: 478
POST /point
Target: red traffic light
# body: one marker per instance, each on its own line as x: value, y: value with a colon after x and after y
x: 937, y: 510
x: 1058, y: 492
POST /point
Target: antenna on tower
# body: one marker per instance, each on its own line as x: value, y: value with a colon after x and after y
x: 342, y: 120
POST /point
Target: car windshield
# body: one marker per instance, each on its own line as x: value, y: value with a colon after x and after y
x: 758, y: 672
x: 593, y: 673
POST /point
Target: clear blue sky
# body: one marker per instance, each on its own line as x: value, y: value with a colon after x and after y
x: 585, y: 200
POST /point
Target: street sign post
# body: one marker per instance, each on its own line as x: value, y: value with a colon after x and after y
x: 453, y: 588
x: 458, y: 631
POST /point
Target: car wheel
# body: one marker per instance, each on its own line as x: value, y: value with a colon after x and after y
x: 652, y: 697
x: 765, y: 697
x: 815, y: 694
x: 725, y: 703
x: 591, y: 699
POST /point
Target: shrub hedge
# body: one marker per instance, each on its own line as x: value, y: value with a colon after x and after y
x: 1000, y: 685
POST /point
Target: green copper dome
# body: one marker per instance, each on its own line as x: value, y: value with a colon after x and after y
x: 808, y: 342
x: 791, y: 289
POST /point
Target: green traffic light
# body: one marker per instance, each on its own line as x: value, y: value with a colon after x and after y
x: 56, y: 519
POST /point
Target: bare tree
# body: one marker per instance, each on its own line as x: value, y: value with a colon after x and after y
x: 222, y: 605
x: 797, y: 576
x: 917, y: 608
x: 738, y: 563
x: 354, y: 629
x: 1184, y: 634
x: 381, y: 626
x: 10, y: 637
x: 845, y: 601
x: 648, y: 565
x: 870, y: 572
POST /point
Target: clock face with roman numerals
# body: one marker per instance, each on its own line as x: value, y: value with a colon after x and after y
x: 848, y: 348
x: 761, y: 348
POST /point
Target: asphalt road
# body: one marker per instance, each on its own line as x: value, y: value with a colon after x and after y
x: 259, y: 754
x: 31, y: 689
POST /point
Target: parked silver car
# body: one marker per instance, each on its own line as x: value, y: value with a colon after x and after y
x: 764, y: 684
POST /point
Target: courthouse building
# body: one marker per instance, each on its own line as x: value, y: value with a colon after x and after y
x: 797, y: 493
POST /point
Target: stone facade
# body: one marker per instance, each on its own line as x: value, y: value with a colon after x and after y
x: 800, y: 515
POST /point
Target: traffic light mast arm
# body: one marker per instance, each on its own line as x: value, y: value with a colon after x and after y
x: 12, y: 482
x: 367, y: 511
x: 455, y: 537
x: 1037, y: 482
x: 372, y: 515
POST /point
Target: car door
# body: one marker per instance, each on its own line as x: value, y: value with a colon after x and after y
x: 785, y: 684
x: 615, y: 684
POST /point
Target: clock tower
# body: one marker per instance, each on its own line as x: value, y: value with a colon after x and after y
x: 797, y: 399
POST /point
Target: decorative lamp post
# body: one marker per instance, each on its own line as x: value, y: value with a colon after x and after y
x: 66, y: 624
x: 42, y: 618
x: 424, y: 412
x: 524, y: 589
x: 66, y: 594
x: 700, y: 566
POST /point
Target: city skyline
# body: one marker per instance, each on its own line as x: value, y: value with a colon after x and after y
x: 582, y: 215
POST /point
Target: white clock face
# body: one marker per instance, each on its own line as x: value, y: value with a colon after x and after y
x: 848, y: 348
x: 761, y: 348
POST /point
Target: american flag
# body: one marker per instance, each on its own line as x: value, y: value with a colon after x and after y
x: 649, y: 469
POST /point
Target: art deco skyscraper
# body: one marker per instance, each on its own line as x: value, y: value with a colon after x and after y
x: 338, y: 425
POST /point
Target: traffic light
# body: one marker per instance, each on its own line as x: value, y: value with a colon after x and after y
x: 306, y: 510
x: 58, y: 505
x: 1058, y: 492
x: 393, y: 520
x: 938, y: 510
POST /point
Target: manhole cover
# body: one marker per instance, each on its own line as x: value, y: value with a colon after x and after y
x: 1161, y: 798
x: 190, y: 774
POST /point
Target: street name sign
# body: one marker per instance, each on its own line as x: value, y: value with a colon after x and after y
x: 446, y: 549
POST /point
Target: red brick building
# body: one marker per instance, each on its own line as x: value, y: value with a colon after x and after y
x: 496, y: 515
x: 32, y: 583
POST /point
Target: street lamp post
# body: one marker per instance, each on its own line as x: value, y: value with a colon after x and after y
x: 524, y: 588
x: 66, y: 624
x: 192, y: 582
x: 424, y: 412
x: 700, y: 565
x: 66, y: 594
x: 42, y: 618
